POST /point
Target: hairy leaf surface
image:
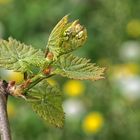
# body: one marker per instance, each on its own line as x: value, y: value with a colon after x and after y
x: 66, y: 37
x: 55, y: 38
x: 19, y: 57
x: 78, y: 68
x: 47, y: 103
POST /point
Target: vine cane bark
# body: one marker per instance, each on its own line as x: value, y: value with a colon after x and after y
x: 4, y: 122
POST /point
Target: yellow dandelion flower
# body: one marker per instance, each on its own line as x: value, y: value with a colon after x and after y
x: 92, y: 123
x: 74, y: 88
x: 133, y: 28
x: 18, y: 77
x: 11, y: 109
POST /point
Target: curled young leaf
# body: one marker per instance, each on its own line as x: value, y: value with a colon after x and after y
x: 66, y: 37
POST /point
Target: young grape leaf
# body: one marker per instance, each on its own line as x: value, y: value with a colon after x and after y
x: 19, y: 57
x: 46, y: 101
x: 55, y: 39
x: 77, y: 68
x: 66, y: 37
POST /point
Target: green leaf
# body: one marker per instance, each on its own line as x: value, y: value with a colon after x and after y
x: 47, y: 103
x: 19, y: 57
x: 55, y: 39
x: 78, y: 68
x: 66, y: 37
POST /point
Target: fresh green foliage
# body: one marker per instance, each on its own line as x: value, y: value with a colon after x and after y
x: 56, y: 60
x: 47, y: 103
x: 66, y: 37
x: 78, y: 68
x: 19, y: 57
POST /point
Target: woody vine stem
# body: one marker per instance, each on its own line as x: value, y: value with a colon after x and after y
x: 4, y: 122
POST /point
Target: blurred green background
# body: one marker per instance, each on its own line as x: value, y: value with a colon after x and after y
x: 104, y: 110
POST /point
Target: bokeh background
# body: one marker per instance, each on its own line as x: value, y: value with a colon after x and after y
x: 104, y: 110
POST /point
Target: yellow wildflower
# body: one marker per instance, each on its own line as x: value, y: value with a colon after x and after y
x: 18, y: 77
x: 74, y: 88
x: 133, y: 28
x: 93, y: 122
x: 125, y: 70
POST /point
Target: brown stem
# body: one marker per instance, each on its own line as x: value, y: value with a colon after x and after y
x: 4, y: 122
